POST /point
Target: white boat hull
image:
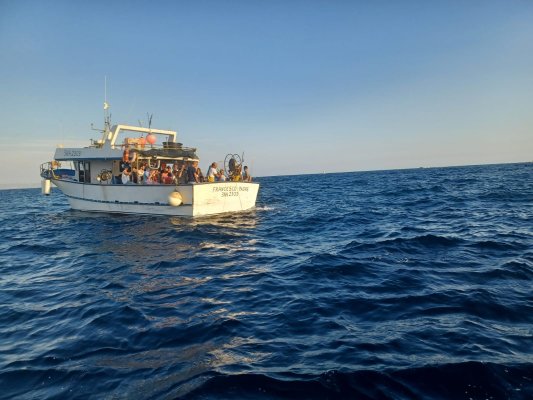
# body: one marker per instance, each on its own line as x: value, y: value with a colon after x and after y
x: 198, y: 199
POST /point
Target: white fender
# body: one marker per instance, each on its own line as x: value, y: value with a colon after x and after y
x: 46, y: 186
x: 175, y: 199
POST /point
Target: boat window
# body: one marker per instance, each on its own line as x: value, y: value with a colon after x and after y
x: 84, y: 171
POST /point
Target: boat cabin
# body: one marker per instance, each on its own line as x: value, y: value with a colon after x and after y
x: 100, y: 161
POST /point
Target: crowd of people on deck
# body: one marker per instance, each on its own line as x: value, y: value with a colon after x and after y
x: 132, y: 171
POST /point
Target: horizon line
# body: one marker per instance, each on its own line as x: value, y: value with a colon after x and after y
x: 14, y: 186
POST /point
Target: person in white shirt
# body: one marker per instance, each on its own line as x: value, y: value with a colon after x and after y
x: 126, y: 174
x: 212, y: 172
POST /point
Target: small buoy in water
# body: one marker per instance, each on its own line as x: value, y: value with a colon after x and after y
x: 46, y: 187
x: 175, y: 199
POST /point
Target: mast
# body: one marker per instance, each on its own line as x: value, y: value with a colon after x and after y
x: 107, y: 119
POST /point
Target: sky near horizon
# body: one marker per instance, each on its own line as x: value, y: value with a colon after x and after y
x: 298, y: 86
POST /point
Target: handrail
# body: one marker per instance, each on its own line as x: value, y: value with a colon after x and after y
x: 115, y: 130
x: 48, y: 171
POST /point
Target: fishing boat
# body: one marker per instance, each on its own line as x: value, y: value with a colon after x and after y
x: 92, y: 177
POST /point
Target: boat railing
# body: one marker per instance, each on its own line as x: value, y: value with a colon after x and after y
x: 167, y: 150
x: 53, y: 170
x: 96, y: 144
x: 47, y: 171
x: 131, y: 144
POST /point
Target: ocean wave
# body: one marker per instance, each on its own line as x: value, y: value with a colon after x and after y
x: 464, y: 380
x: 403, y: 243
x: 384, y: 284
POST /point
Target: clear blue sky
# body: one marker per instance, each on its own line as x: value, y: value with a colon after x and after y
x: 298, y: 86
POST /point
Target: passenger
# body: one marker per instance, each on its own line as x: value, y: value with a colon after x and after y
x: 146, y: 176
x: 154, y: 177
x: 164, y: 175
x: 149, y: 180
x: 180, y: 176
x: 236, y: 175
x: 175, y: 169
x: 134, y: 178
x: 140, y: 174
x: 167, y: 178
x: 125, y: 162
x: 126, y: 174
x: 160, y: 172
x: 200, y: 175
x: 246, y: 175
x: 212, y: 172
x: 192, y: 173
x: 221, y: 177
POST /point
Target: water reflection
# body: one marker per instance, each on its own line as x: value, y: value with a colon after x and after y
x: 175, y: 273
x: 241, y: 220
x: 179, y: 370
x: 150, y: 239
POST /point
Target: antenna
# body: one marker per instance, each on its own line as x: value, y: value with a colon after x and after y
x: 149, y: 116
x: 107, y: 116
x: 106, y: 105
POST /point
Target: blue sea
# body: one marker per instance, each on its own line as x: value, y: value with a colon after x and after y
x: 404, y: 284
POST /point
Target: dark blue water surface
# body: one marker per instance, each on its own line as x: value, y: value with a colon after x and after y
x: 394, y: 284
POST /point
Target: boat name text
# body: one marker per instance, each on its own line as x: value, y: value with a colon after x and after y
x: 72, y: 153
x: 230, y: 191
